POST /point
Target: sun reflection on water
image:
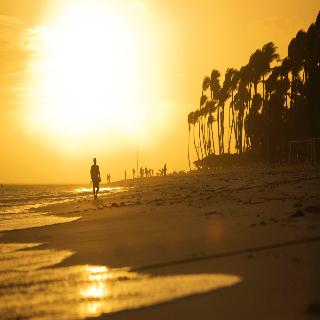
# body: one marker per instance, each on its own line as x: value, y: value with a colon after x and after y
x: 103, y: 189
x: 77, y: 292
x: 96, y: 290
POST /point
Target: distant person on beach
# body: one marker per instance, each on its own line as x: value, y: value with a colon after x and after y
x: 95, y: 177
x: 165, y: 170
x: 133, y: 173
x: 141, y: 172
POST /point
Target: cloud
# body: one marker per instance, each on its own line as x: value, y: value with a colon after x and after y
x: 16, y: 36
x: 11, y: 31
x: 19, y: 43
x: 9, y: 21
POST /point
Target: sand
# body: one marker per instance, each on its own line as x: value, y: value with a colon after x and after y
x: 260, y: 223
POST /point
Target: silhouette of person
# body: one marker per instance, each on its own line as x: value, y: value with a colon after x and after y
x: 95, y: 178
x: 141, y: 172
x: 133, y: 173
x: 165, y: 169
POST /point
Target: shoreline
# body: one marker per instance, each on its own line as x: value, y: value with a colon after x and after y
x: 252, y: 222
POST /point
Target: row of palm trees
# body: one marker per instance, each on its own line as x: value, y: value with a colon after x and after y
x: 263, y: 105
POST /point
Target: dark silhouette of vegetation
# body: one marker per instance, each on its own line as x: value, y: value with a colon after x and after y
x: 268, y: 102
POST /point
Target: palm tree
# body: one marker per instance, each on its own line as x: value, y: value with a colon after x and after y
x: 214, y: 90
x: 223, y: 97
x: 210, y: 108
x: 241, y: 101
x: 257, y: 66
x: 190, y: 121
x: 203, y: 100
x: 233, y: 76
x: 196, y: 115
x: 269, y: 52
x: 264, y: 118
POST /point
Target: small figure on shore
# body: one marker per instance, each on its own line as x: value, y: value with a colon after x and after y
x: 146, y: 172
x: 165, y: 169
x: 95, y: 178
x: 125, y: 175
x: 141, y: 172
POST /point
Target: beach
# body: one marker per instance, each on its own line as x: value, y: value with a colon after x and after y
x: 259, y: 224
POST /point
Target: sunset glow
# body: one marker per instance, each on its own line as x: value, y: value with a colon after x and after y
x: 96, y: 78
x: 87, y: 78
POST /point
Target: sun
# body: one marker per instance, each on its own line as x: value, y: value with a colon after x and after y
x: 86, y: 76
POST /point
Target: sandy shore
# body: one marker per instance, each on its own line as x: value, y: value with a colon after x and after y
x: 262, y: 224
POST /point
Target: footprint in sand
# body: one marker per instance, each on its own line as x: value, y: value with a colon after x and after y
x: 211, y: 213
x: 297, y: 214
x: 313, y: 209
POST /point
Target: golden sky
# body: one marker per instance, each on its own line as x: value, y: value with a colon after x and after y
x: 85, y: 78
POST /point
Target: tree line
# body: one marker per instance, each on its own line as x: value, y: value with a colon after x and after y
x: 264, y: 104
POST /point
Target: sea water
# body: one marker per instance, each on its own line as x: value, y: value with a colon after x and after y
x: 17, y: 203
x: 30, y: 288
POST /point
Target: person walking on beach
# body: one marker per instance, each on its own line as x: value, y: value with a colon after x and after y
x: 133, y: 173
x: 95, y: 177
x: 165, y: 170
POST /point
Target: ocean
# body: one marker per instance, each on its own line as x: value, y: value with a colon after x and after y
x: 18, y: 203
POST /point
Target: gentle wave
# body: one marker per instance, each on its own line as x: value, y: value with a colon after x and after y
x: 17, y: 203
x: 30, y: 289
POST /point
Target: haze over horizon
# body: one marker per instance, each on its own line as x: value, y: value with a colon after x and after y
x: 89, y: 78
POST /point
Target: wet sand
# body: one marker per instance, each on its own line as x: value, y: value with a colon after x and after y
x: 261, y: 224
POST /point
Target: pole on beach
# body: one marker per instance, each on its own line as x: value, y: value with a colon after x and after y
x: 137, y: 158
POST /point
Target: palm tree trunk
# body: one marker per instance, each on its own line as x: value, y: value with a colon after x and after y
x: 189, y: 148
x: 232, y: 127
x: 209, y: 139
x: 199, y: 135
x: 263, y: 91
x: 194, y: 142
x: 222, y: 129
x: 204, y: 142
x: 218, y: 120
x: 229, y: 127
x: 212, y: 138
